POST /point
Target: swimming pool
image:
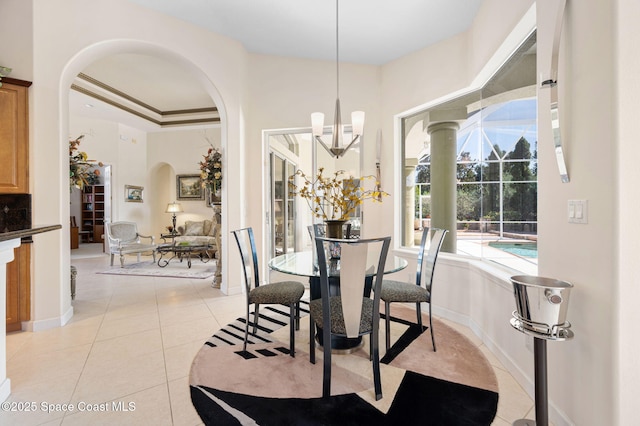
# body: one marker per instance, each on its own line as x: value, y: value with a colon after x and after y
x: 525, y: 249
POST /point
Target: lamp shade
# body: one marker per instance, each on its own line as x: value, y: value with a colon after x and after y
x: 174, y: 208
x: 357, y: 122
x: 317, y: 124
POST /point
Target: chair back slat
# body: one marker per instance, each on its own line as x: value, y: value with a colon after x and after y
x: 358, y: 259
x: 247, y: 247
x: 353, y: 265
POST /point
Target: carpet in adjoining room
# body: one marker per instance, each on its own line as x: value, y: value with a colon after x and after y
x: 454, y: 386
x: 175, y: 269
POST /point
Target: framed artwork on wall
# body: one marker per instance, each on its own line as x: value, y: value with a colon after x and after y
x: 189, y: 187
x: 133, y: 194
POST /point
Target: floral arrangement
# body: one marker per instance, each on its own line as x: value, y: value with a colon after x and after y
x: 81, y: 171
x: 211, y: 169
x: 334, y: 197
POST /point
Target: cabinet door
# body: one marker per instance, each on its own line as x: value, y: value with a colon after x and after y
x: 19, y: 288
x: 14, y: 138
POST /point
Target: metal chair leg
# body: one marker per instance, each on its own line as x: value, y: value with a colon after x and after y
x: 377, y: 382
x: 246, y: 330
x: 433, y: 340
x: 387, y: 325
x: 326, y: 375
x: 292, y: 334
x: 256, y: 315
x: 312, y: 340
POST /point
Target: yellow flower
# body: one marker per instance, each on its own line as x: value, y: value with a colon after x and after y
x: 336, y: 197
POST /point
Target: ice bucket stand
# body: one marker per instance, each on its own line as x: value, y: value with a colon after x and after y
x: 540, y: 333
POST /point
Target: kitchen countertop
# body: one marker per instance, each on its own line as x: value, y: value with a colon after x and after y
x: 10, y: 235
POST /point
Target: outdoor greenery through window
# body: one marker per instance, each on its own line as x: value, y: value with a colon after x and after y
x: 496, y: 167
x: 496, y: 171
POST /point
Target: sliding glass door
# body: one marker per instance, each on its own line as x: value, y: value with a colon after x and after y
x: 283, y: 206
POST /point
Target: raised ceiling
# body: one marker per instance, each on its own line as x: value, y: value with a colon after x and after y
x: 371, y: 31
x: 151, y: 93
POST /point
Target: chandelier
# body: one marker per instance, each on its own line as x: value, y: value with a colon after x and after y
x: 337, y: 148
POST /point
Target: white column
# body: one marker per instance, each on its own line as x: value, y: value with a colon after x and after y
x: 443, y: 180
x: 6, y: 256
x: 409, y: 201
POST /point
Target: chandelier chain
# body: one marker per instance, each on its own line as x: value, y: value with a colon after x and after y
x: 337, y: 56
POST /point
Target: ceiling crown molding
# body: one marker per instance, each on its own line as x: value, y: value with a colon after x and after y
x: 96, y: 89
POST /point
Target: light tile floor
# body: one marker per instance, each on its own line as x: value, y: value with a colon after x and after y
x: 125, y: 356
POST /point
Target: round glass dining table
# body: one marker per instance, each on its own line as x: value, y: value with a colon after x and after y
x: 305, y: 264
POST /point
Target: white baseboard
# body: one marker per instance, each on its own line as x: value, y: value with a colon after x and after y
x: 5, y: 389
x: 48, y: 323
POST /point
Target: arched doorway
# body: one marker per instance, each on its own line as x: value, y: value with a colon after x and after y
x: 103, y: 50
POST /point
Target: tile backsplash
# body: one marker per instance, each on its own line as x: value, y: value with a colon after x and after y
x: 15, y: 212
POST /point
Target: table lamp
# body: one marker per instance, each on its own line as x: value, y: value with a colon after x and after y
x: 174, y: 208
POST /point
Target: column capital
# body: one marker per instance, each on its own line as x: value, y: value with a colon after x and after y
x: 446, y: 125
x: 439, y: 119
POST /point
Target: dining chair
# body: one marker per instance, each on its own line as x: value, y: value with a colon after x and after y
x: 286, y: 293
x: 421, y: 291
x: 350, y: 313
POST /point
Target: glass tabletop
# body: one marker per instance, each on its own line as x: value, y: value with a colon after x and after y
x: 303, y: 263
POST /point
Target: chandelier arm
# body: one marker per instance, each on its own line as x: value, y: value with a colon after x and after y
x: 352, y: 142
x: 319, y: 139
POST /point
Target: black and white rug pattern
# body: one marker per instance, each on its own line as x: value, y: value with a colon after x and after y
x: 265, y: 386
x: 271, y: 318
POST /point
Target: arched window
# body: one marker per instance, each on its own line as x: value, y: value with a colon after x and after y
x: 495, y: 164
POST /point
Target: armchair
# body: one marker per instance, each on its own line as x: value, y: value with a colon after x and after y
x: 123, y: 238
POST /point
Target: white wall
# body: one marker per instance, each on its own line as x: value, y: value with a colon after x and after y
x: 19, y: 29
x: 625, y: 306
x: 138, y: 159
x: 284, y: 93
x: 589, y: 375
x: 181, y: 151
x: 68, y: 35
x: 581, y: 386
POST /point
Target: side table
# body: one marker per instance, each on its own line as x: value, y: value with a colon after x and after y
x: 170, y: 237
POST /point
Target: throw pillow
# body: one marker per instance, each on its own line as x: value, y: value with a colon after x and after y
x: 193, y: 228
x: 206, y: 229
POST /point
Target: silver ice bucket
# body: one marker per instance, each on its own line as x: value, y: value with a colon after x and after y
x: 541, y: 303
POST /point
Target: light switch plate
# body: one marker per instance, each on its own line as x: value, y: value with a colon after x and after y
x: 578, y: 211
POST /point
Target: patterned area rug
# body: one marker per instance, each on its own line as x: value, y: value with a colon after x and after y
x: 175, y: 269
x: 265, y: 386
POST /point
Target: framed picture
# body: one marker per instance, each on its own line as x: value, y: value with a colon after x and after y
x: 189, y: 187
x: 133, y: 194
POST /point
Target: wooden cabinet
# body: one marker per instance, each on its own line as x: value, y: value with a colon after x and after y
x: 73, y: 234
x: 14, y: 136
x: 14, y: 179
x: 93, y: 212
x: 19, y: 287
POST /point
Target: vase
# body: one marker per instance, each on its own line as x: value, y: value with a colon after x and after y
x: 215, y: 193
x: 335, y: 229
